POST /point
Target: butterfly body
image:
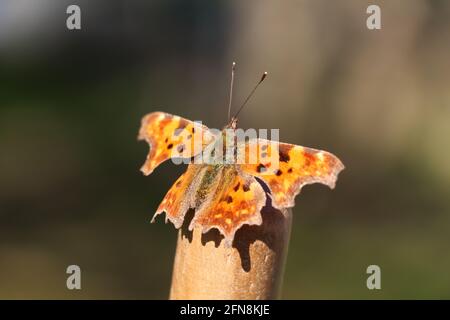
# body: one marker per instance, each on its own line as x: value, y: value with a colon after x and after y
x: 210, y: 174
x: 224, y: 179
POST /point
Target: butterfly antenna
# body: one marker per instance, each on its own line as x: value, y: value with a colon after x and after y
x: 231, y: 89
x: 250, y: 95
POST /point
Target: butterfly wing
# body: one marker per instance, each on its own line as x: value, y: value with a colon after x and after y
x: 236, y: 199
x: 296, y: 167
x: 171, y: 136
x: 223, y: 197
x: 181, y: 196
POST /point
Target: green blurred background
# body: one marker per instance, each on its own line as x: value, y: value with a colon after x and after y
x: 70, y: 108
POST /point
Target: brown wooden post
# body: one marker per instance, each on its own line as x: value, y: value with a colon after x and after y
x: 252, y: 268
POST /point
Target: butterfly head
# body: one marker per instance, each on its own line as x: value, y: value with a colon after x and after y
x: 232, y: 124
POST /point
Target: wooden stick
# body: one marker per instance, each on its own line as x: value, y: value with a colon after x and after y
x: 252, y: 268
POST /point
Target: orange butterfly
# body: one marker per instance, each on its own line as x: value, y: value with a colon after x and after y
x: 227, y: 195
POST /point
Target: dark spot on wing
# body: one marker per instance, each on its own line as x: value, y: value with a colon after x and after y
x: 284, y: 152
x: 170, y: 146
x: 260, y: 168
x: 229, y: 199
x: 284, y: 157
x: 236, y: 187
x: 279, y: 173
x: 245, y: 187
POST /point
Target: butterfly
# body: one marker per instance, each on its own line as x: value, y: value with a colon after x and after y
x: 228, y: 194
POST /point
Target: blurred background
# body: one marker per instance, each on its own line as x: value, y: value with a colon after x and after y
x: 70, y: 107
